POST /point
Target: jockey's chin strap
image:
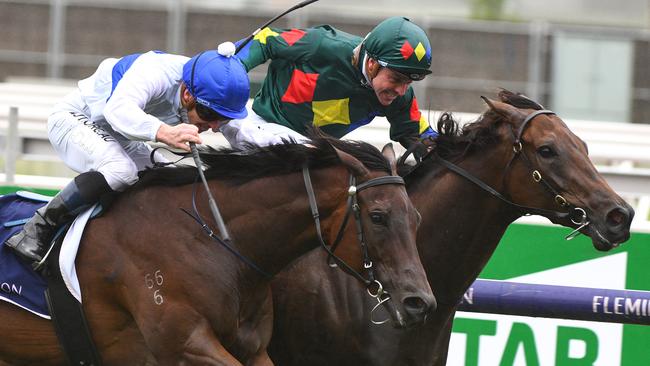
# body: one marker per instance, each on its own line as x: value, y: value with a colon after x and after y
x: 373, y: 286
x: 577, y: 215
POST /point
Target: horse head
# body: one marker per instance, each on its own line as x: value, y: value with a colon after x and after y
x: 383, y: 239
x: 549, y: 168
x: 469, y: 188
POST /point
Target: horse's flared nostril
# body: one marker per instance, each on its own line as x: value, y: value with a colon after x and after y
x: 418, y: 306
x: 618, y: 218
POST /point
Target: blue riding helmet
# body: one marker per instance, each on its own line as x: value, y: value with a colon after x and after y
x: 218, y: 82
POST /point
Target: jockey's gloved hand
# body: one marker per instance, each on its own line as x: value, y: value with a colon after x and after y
x: 426, y: 143
x: 429, y: 142
x: 414, y: 146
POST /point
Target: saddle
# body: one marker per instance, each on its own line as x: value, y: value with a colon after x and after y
x: 19, y: 284
x: 45, y: 294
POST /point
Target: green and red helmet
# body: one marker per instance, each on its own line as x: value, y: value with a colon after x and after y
x: 400, y: 45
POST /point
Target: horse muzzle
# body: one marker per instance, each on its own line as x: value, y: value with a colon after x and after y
x: 612, y: 229
x: 412, y: 310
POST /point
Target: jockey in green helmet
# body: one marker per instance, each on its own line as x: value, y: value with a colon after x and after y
x: 400, y: 45
x: 324, y: 77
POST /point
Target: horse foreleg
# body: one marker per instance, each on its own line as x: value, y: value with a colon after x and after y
x: 254, y: 334
x: 260, y: 359
x: 203, y: 348
x: 182, y: 340
x: 441, y: 346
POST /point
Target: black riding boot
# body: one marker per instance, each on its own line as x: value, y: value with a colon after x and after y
x: 33, y: 242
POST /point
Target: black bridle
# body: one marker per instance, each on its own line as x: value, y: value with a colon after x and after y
x: 577, y: 215
x: 373, y: 286
x: 352, y: 206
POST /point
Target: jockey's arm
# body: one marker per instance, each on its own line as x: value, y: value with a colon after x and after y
x: 407, y: 123
x: 271, y: 43
x: 124, y: 111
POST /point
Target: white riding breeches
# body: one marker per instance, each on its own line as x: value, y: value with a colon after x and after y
x: 94, y: 146
x: 255, y: 130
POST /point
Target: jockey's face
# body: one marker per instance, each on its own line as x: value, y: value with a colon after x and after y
x: 389, y: 84
x: 196, y: 119
x: 201, y: 116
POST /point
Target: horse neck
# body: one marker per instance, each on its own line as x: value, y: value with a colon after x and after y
x: 275, y: 226
x: 461, y: 223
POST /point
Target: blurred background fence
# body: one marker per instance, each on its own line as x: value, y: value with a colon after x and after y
x: 587, y: 60
x: 598, y: 70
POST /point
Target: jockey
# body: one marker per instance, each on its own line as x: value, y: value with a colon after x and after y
x: 99, y: 129
x: 334, y: 80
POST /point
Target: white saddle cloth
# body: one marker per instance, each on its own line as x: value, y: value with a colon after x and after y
x: 69, y: 252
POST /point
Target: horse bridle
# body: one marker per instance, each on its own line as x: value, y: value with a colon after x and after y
x: 352, y: 206
x: 577, y: 215
x: 374, y: 288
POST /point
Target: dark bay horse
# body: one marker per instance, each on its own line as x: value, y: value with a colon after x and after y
x: 158, y: 290
x: 530, y: 157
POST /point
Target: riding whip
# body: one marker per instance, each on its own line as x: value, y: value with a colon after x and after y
x: 195, y: 152
x: 249, y: 38
x: 211, y: 202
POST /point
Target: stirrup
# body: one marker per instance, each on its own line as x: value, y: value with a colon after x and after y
x: 36, y: 264
x: 39, y: 265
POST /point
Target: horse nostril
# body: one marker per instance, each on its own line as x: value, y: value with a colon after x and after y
x: 415, y: 305
x: 617, y: 217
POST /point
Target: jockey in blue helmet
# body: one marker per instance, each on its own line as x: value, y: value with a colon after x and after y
x: 100, y: 128
x: 218, y: 83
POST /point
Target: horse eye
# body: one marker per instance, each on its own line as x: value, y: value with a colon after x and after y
x: 546, y: 152
x: 379, y: 218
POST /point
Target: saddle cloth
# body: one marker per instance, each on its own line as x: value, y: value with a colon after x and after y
x: 19, y: 284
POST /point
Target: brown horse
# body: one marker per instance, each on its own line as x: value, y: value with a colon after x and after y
x: 157, y: 290
x: 530, y: 157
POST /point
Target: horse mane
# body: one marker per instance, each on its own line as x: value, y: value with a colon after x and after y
x: 454, y: 142
x: 252, y: 162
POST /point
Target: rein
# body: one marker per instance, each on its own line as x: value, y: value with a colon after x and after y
x: 225, y: 242
x: 525, y: 209
x: 352, y: 206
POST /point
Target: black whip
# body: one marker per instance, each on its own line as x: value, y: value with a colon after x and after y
x: 248, y: 39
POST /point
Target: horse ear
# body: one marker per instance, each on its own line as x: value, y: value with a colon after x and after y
x: 489, y: 102
x: 511, y: 113
x: 389, y: 154
x: 353, y: 164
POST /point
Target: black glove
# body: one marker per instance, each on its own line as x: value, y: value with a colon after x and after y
x: 413, y: 146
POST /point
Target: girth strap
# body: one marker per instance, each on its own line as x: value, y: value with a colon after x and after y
x: 68, y: 316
